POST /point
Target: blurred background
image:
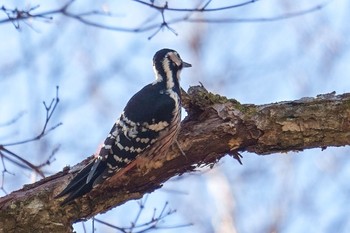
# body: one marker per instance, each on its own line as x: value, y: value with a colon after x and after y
x: 98, y: 70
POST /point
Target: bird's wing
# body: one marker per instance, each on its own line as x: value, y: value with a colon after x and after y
x: 136, y: 130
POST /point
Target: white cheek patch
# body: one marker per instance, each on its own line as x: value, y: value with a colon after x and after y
x: 168, y: 74
x: 159, y: 78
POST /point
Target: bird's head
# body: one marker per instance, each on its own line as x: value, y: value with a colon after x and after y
x: 167, y: 64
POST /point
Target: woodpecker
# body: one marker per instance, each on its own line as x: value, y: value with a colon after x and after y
x: 149, y: 125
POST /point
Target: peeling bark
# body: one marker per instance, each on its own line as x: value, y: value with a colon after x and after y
x: 215, y: 126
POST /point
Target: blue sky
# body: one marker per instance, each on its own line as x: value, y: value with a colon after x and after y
x: 98, y: 70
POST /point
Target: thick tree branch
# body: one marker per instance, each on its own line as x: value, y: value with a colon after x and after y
x: 214, y: 127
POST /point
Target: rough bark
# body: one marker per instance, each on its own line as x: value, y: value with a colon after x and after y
x: 215, y: 126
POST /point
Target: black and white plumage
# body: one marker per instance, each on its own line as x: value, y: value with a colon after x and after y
x: 148, y: 125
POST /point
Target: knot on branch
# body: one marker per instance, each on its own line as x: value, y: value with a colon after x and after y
x: 198, y: 99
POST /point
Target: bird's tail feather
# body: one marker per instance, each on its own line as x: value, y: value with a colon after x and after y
x: 80, y: 184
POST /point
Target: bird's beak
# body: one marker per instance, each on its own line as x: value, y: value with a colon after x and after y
x: 186, y: 65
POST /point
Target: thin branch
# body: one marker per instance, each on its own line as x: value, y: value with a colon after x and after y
x: 24, y: 161
x: 262, y: 19
x: 21, y: 161
x: 141, y: 208
x: 202, y: 9
x: 14, y: 119
x: 110, y: 225
x: 15, y: 162
x: 50, y: 109
x: 15, y: 16
x: 163, y: 24
x: 93, y: 225
x: 153, y: 223
x: 50, y: 159
x: 3, y: 173
x: 104, y: 26
x: 25, y: 164
x: 207, y: 4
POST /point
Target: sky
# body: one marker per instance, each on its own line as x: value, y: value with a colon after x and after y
x: 98, y: 70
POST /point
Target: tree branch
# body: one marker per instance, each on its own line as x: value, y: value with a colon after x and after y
x: 15, y: 16
x: 18, y: 160
x: 199, y: 9
x: 215, y: 126
x: 50, y: 109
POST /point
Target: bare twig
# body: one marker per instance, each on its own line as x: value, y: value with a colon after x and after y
x: 19, y: 160
x: 4, y: 170
x: 23, y: 161
x: 153, y: 223
x: 141, y: 204
x: 93, y: 225
x: 15, y: 162
x: 16, y: 15
x: 201, y: 9
x: 262, y: 19
x: 163, y: 24
x: 13, y: 120
x: 50, y: 109
x: 51, y: 158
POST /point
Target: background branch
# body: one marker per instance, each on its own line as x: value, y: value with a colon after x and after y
x: 15, y: 16
x: 50, y: 109
x: 155, y: 221
x: 23, y: 161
